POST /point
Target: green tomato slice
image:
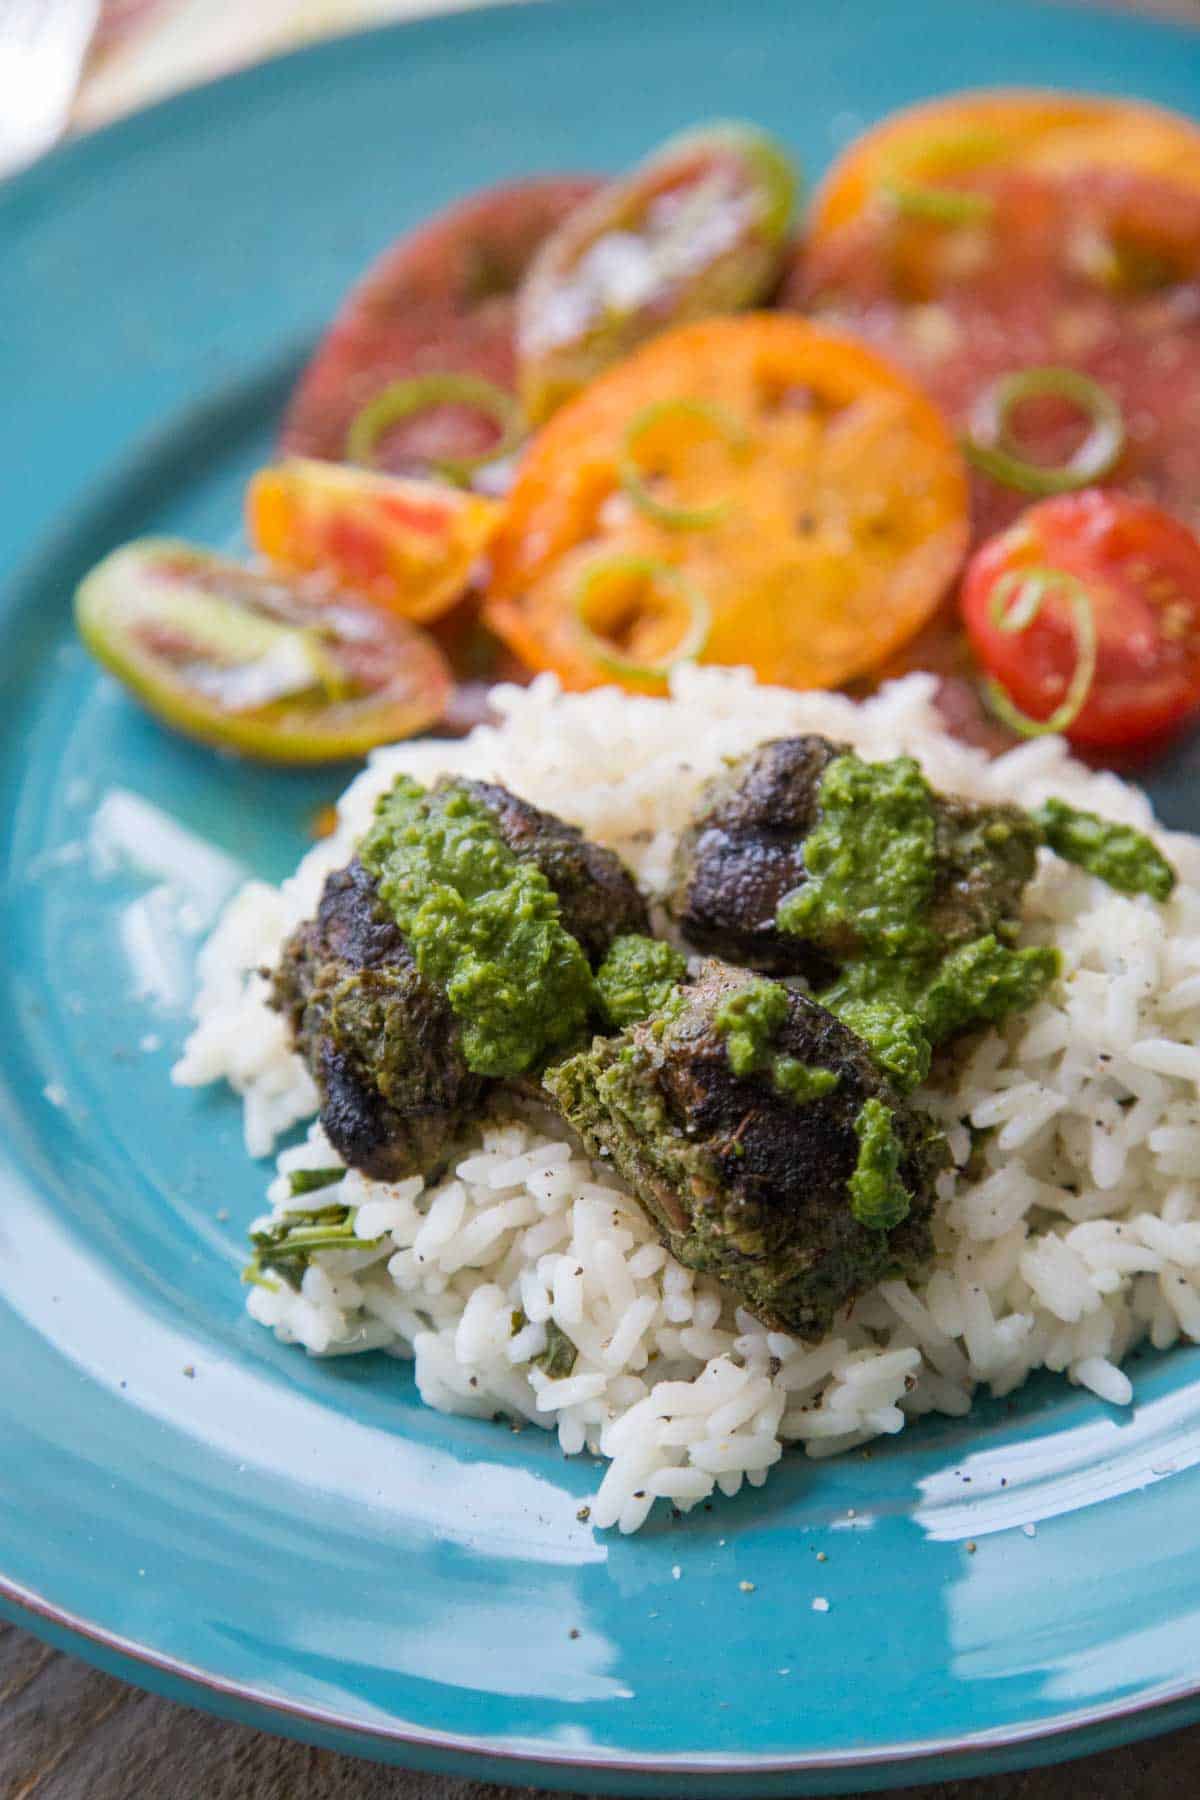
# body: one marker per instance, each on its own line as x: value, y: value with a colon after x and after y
x: 698, y: 229
x: 282, y: 672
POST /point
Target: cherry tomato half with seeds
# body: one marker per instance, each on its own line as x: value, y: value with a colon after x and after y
x: 1096, y: 579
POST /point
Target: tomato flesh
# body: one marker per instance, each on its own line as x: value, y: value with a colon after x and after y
x: 1098, y: 272
x: 835, y: 523
x: 441, y: 300
x: 1141, y: 571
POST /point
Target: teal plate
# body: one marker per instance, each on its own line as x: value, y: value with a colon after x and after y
x: 302, y: 1545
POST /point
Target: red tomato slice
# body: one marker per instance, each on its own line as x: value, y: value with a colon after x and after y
x: 440, y: 301
x: 1140, y: 568
x: 1096, y: 271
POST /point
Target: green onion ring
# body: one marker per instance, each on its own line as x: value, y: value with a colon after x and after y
x: 1030, y: 587
x: 401, y: 399
x: 679, y: 518
x: 649, y: 568
x: 990, y: 447
x: 940, y: 205
x: 925, y: 199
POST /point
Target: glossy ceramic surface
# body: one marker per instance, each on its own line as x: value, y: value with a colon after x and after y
x: 302, y: 1544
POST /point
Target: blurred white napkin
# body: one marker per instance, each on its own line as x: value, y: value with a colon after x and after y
x: 43, y: 44
x: 179, y: 42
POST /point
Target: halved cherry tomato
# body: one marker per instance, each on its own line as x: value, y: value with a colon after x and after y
x: 406, y: 546
x: 743, y: 490
x: 926, y: 146
x: 1138, y: 569
x: 285, y: 672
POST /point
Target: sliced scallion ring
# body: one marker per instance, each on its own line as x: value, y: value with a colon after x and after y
x: 1026, y: 589
x: 633, y: 476
x: 989, y: 444
x: 904, y: 191
x: 643, y: 568
x: 403, y: 399
x: 940, y: 205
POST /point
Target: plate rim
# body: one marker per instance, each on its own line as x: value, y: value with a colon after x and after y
x: 210, y: 1689
x: 940, y: 1757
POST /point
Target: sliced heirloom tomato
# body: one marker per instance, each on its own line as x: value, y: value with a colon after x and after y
x: 699, y: 228
x: 1058, y: 328
x: 281, y: 672
x: 406, y: 546
x: 918, y: 157
x: 1086, y: 617
x: 440, y: 302
x: 742, y: 490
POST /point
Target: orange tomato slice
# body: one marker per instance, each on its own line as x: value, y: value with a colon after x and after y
x: 406, y: 546
x: 1027, y: 128
x: 815, y: 528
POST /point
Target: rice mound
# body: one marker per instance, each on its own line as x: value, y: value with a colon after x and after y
x: 1065, y: 1235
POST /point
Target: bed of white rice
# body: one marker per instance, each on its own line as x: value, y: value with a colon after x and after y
x: 1076, y: 1235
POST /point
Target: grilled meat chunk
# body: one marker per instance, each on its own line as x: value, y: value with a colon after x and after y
x: 743, y: 1180
x: 745, y: 852
x: 598, y: 899
x: 383, y: 1042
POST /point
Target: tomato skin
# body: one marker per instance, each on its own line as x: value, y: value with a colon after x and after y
x: 403, y: 545
x: 1141, y: 569
x: 441, y: 298
x: 843, y: 521
x: 1025, y: 128
x: 1031, y: 293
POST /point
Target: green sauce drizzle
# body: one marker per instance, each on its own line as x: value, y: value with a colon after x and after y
x: 802, y: 1082
x: 750, y: 1019
x: 637, y: 979
x: 984, y: 981
x: 1119, y: 855
x: 886, y: 1021
x: 870, y: 860
x: 878, y: 1197
x: 873, y: 860
x: 482, y: 924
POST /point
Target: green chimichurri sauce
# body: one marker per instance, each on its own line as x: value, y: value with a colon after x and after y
x: 878, y: 1197
x: 750, y: 1019
x: 874, y: 868
x: 801, y: 1081
x: 482, y: 924
x: 1119, y: 855
x: 870, y: 861
x: 637, y: 979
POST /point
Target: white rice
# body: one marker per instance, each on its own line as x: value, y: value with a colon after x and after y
x: 1076, y: 1236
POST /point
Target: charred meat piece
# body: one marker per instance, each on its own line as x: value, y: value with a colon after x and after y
x: 597, y: 897
x: 735, y: 863
x: 746, y: 852
x: 382, y: 1043
x: 382, y: 1040
x: 743, y: 1180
